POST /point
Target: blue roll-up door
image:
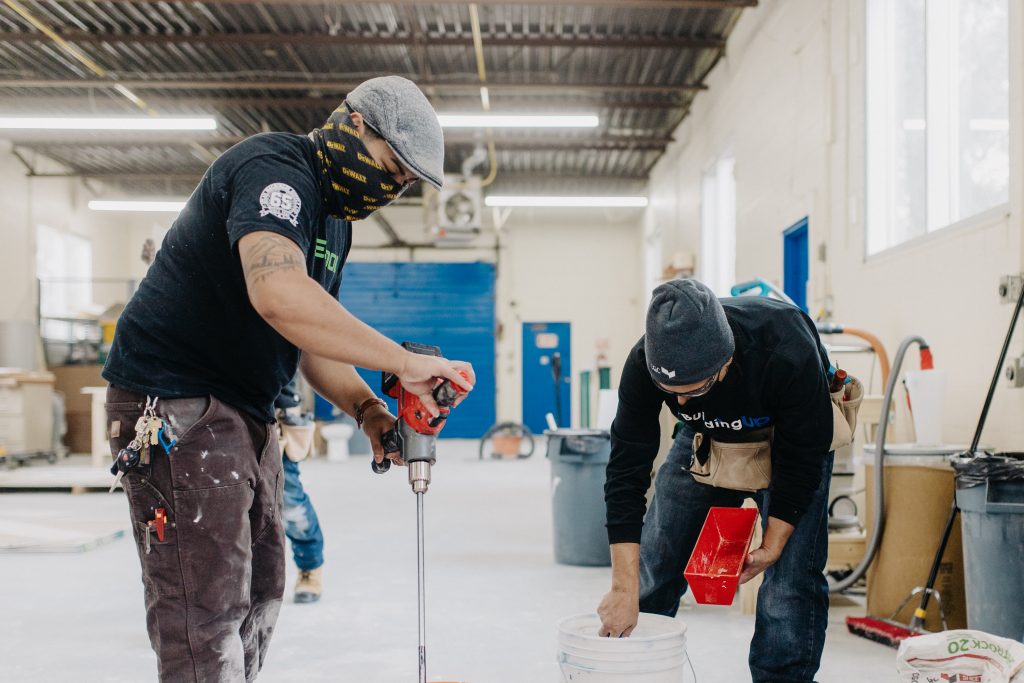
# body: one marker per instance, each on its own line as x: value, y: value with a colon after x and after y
x: 450, y: 305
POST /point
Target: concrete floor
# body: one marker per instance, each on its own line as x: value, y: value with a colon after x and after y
x: 495, y: 594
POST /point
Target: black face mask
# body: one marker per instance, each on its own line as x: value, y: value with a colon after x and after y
x: 355, y: 185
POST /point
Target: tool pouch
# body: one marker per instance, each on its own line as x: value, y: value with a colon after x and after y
x: 742, y: 466
x: 297, y: 440
x: 845, y: 406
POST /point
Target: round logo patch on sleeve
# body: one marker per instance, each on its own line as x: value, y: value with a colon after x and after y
x: 281, y: 201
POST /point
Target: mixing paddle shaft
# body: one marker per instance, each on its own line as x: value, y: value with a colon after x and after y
x: 421, y: 588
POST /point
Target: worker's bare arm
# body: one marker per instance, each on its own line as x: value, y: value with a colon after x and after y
x: 306, y: 315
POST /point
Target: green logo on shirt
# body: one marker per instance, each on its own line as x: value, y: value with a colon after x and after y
x: 329, y: 257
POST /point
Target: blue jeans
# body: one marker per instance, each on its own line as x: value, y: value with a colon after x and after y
x: 792, y: 604
x: 300, y: 522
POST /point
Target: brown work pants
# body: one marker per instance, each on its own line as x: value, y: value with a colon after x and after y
x: 214, y: 584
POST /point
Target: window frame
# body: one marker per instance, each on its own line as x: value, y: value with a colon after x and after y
x: 941, y: 130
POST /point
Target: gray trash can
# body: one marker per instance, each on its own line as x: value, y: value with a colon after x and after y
x: 578, y: 461
x: 990, y: 494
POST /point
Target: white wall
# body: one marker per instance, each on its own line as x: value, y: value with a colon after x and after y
x: 61, y: 203
x: 788, y: 103
x: 29, y: 203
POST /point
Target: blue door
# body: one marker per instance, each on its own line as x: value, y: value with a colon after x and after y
x: 795, y: 265
x: 450, y: 305
x: 547, y: 374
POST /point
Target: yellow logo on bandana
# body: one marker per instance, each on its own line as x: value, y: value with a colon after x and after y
x: 387, y: 187
x: 336, y: 145
x: 338, y: 187
x: 352, y: 174
x: 344, y: 127
x: 369, y: 161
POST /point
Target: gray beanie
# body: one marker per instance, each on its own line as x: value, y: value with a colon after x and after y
x: 688, y: 337
x: 402, y: 115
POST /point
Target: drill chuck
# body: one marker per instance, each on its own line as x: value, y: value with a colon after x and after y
x: 419, y: 476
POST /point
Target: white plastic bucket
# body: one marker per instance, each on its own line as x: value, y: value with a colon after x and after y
x: 654, y: 653
x: 927, y: 389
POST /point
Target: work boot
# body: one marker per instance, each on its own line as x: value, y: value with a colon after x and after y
x: 309, y: 585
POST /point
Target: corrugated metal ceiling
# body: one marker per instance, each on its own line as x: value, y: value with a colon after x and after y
x: 285, y: 64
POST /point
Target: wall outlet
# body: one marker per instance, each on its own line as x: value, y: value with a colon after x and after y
x: 1013, y: 372
x: 1009, y: 288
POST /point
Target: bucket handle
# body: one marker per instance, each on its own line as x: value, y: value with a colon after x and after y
x: 1000, y: 506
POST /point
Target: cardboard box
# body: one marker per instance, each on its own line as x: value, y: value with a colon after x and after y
x: 71, y: 379
x: 917, y: 502
x: 79, y: 435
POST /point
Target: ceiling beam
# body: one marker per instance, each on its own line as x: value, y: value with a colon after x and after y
x: 151, y: 176
x: 327, y: 40
x: 82, y: 104
x: 646, y: 4
x: 536, y: 141
x: 342, y: 87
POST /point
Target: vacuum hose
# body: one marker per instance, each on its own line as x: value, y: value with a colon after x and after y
x: 879, y: 510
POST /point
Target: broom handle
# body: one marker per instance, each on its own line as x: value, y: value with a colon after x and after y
x: 995, y: 377
x: 919, y: 615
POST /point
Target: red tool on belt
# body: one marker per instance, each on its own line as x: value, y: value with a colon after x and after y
x: 414, y: 435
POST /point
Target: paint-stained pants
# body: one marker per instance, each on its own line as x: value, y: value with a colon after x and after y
x: 214, y: 584
x: 792, y: 603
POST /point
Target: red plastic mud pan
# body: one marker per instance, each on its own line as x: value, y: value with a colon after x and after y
x: 713, y: 571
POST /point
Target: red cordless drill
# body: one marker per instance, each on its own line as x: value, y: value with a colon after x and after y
x: 415, y: 432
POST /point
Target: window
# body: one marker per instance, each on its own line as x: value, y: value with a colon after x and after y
x: 718, y: 227
x: 937, y: 115
x: 64, y: 269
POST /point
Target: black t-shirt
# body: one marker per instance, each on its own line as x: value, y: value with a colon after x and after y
x: 190, y: 329
x: 777, y: 379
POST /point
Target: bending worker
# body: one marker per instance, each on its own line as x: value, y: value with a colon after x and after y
x: 746, y: 377
x: 244, y: 287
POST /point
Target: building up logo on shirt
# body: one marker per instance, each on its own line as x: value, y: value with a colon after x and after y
x: 329, y: 257
x: 280, y: 201
x: 738, y: 424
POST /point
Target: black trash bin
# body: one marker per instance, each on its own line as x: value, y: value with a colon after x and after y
x: 990, y: 495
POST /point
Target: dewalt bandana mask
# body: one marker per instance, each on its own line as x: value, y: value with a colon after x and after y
x: 355, y: 184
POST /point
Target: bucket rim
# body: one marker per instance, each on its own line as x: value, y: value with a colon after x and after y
x: 678, y: 627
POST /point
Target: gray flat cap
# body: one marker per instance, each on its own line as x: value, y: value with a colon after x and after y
x: 401, y: 113
x: 688, y: 336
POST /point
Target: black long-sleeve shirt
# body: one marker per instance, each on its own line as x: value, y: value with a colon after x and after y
x: 778, y: 379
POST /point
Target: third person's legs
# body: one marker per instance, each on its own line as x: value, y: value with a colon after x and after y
x: 303, y: 530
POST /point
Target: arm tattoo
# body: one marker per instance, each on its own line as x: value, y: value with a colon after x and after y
x: 268, y: 255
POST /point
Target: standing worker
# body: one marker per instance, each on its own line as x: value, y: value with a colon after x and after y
x: 747, y: 378
x: 244, y: 288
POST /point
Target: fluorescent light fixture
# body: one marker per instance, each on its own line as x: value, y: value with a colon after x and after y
x: 598, y: 202
x: 518, y: 120
x: 164, y: 205
x: 115, y: 123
